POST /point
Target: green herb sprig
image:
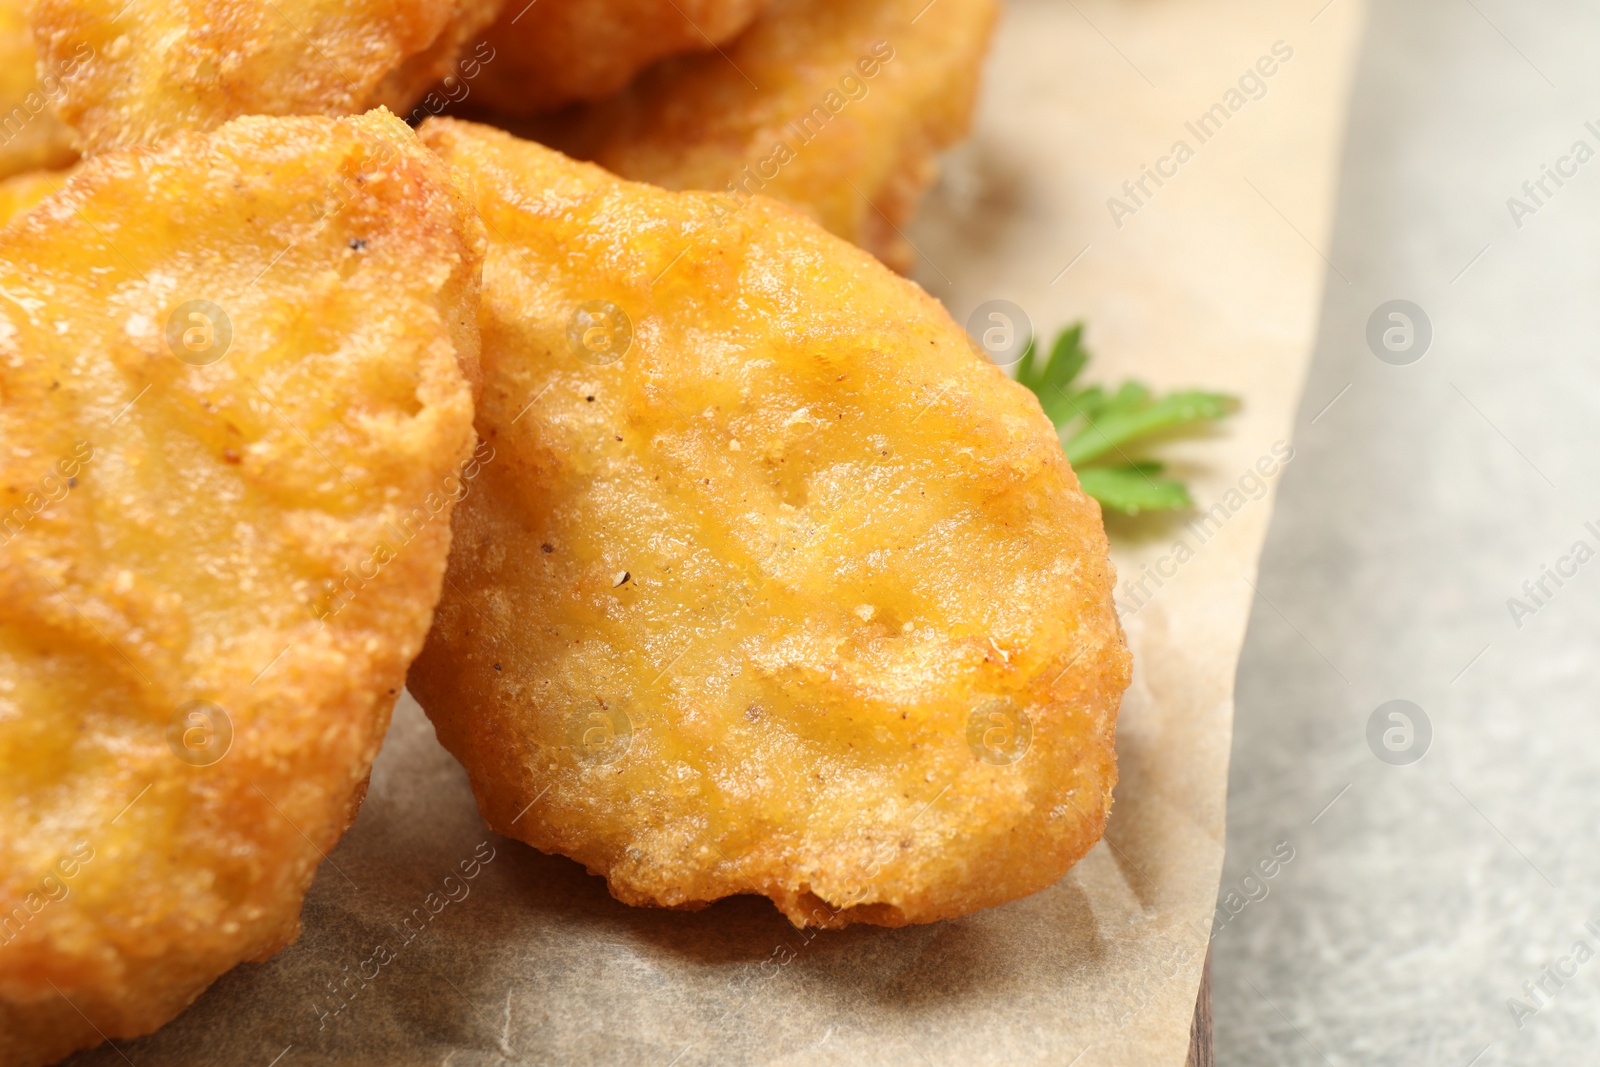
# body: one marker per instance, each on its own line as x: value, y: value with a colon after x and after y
x: 1102, y: 430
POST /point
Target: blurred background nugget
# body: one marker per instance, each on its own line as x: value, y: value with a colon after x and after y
x: 833, y: 106
x: 30, y: 133
x: 556, y: 52
x: 149, y: 68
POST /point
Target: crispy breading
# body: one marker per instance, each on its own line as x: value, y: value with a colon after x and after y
x: 555, y: 52
x: 155, y: 67
x: 834, y: 106
x: 31, y: 136
x: 234, y: 406
x: 20, y: 192
x: 775, y: 585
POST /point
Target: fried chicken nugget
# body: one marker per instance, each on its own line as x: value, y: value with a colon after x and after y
x: 233, y: 411
x: 31, y: 136
x: 774, y: 586
x: 834, y: 106
x: 155, y: 67
x: 555, y: 52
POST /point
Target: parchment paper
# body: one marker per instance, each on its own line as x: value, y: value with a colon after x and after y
x: 1213, y: 279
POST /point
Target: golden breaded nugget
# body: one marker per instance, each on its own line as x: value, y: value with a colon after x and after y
x: 834, y: 106
x: 233, y: 417
x: 775, y: 585
x: 155, y: 67
x: 556, y: 52
x: 31, y: 136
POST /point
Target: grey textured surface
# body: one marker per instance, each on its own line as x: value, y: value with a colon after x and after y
x: 1422, y: 900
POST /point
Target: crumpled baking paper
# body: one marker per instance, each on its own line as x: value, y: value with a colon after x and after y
x: 1163, y: 169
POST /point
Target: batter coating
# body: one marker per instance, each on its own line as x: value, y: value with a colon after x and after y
x: 232, y: 413
x: 774, y: 585
x: 20, y: 192
x: 834, y: 106
x: 155, y: 67
x: 554, y: 52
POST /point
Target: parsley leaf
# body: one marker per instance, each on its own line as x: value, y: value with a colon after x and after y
x: 1099, y: 428
x: 1134, y: 488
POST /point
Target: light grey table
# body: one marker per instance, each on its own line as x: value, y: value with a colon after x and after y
x: 1425, y: 900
